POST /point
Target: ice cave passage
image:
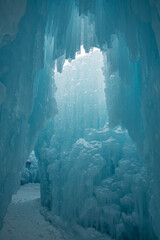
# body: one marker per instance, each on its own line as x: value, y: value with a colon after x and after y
x: 79, y: 126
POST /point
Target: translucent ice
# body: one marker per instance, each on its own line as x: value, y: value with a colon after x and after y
x: 35, y: 36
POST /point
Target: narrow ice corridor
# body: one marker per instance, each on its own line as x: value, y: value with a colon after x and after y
x: 79, y: 119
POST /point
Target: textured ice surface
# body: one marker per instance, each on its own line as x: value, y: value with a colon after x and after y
x: 100, y: 183
x: 91, y: 176
x: 19, y: 61
x: 128, y: 30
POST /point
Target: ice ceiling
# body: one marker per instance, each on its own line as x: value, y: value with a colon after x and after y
x: 35, y: 35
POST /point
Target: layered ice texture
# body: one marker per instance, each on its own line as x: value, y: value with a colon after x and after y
x: 38, y: 35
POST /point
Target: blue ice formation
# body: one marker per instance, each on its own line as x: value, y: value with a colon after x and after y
x: 30, y: 173
x: 100, y: 183
x: 35, y: 38
x: 91, y: 174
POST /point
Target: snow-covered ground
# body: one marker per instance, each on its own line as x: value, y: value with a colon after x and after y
x: 24, y: 221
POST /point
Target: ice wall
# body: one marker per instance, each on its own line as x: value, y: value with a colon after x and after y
x: 99, y: 183
x: 22, y: 32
